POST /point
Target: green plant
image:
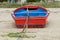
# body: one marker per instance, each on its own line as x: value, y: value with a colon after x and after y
x: 33, y: 1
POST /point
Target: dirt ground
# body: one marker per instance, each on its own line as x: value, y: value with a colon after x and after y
x: 50, y: 32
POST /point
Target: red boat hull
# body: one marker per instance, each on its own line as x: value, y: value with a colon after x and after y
x: 33, y: 22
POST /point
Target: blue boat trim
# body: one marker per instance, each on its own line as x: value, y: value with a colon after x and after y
x: 37, y: 12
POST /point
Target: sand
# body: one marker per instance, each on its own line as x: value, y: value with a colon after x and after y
x: 50, y: 32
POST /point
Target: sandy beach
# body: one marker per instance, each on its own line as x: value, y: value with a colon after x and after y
x: 50, y: 32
